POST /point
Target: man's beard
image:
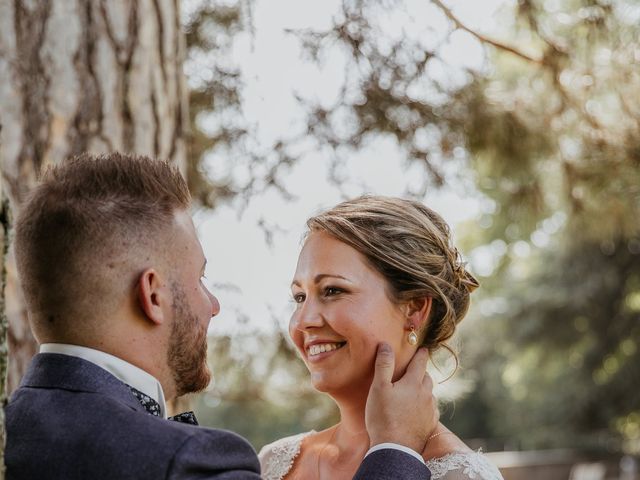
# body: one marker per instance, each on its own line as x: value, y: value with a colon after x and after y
x: 187, y: 347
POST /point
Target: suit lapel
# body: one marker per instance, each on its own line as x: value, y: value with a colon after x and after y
x: 54, y: 370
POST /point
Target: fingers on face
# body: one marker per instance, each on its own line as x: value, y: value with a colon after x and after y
x: 385, y: 364
x: 427, y: 385
x: 436, y: 412
x: 427, y: 382
x: 417, y: 368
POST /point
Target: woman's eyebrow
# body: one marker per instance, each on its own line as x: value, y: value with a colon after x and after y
x: 321, y: 276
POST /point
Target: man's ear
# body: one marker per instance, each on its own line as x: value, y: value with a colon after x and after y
x: 417, y: 312
x: 153, y: 296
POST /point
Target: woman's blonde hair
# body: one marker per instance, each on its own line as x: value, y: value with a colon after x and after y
x: 410, y: 245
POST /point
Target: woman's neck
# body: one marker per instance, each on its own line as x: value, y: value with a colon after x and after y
x: 344, y: 445
x: 351, y: 435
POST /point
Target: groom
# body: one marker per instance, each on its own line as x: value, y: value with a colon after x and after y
x: 112, y: 269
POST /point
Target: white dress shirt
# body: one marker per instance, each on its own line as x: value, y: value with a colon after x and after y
x: 122, y: 370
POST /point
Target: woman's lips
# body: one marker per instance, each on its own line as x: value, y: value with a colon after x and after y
x: 321, y: 350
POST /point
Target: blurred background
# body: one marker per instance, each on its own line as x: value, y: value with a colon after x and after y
x: 517, y: 120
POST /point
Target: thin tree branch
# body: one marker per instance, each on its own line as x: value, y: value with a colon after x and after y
x: 502, y: 46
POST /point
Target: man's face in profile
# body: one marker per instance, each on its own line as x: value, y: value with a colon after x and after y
x: 193, y: 306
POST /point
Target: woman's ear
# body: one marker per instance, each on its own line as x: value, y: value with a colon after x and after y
x: 417, y: 312
x: 152, y: 296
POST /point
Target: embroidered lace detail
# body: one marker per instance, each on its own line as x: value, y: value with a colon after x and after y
x: 276, y: 459
x: 463, y: 466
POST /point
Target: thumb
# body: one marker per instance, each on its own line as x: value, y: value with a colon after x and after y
x: 385, y: 363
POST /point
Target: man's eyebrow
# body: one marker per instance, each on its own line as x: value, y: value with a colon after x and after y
x: 320, y: 277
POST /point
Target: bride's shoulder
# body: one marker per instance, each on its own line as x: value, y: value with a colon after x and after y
x: 276, y: 458
x: 449, y: 458
x: 291, y: 443
x: 462, y: 466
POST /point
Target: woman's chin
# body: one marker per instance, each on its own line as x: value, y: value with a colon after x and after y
x: 340, y: 386
x: 321, y: 383
x: 325, y: 382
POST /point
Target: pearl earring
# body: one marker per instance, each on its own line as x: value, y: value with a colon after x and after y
x: 412, y: 337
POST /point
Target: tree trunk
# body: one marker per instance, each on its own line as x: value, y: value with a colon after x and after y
x: 83, y: 75
x: 5, y: 223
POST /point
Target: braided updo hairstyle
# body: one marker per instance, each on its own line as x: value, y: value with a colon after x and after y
x: 410, y: 245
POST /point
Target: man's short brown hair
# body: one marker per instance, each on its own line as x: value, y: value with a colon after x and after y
x: 85, y: 226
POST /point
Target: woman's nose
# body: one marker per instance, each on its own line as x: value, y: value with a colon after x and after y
x: 309, y: 315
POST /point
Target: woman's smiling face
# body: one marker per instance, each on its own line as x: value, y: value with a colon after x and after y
x: 343, y: 312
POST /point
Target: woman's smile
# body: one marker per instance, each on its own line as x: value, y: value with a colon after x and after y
x: 321, y: 350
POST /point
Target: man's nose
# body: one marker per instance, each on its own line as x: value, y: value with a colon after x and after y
x: 215, y: 304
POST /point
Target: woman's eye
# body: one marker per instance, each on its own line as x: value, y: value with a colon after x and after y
x: 330, y: 291
x: 299, y: 297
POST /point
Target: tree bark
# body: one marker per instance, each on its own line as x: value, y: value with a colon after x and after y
x: 5, y: 223
x: 83, y: 75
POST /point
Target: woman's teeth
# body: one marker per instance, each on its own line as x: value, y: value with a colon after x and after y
x: 323, y: 347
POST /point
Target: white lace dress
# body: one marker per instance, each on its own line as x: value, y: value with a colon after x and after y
x: 276, y: 460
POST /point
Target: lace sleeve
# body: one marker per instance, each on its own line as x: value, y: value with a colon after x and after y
x: 463, y: 466
x: 276, y: 459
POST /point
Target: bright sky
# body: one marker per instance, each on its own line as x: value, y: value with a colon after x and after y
x: 250, y: 278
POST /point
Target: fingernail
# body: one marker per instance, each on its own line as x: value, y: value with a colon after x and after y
x: 384, y: 348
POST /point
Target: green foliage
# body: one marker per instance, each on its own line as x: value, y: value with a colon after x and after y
x: 568, y: 335
x: 567, y: 349
x: 214, y: 93
x: 544, y: 130
x: 219, y: 129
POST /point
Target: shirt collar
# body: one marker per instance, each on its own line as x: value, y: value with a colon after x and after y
x: 122, y: 370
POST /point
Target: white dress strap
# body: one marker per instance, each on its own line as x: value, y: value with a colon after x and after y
x: 276, y: 459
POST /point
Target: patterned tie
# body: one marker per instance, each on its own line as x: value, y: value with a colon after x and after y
x: 153, y: 408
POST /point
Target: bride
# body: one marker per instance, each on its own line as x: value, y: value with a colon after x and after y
x: 372, y: 269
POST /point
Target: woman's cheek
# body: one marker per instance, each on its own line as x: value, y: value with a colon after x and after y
x: 370, y: 346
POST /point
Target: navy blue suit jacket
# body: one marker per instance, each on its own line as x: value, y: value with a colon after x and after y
x: 72, y: 420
